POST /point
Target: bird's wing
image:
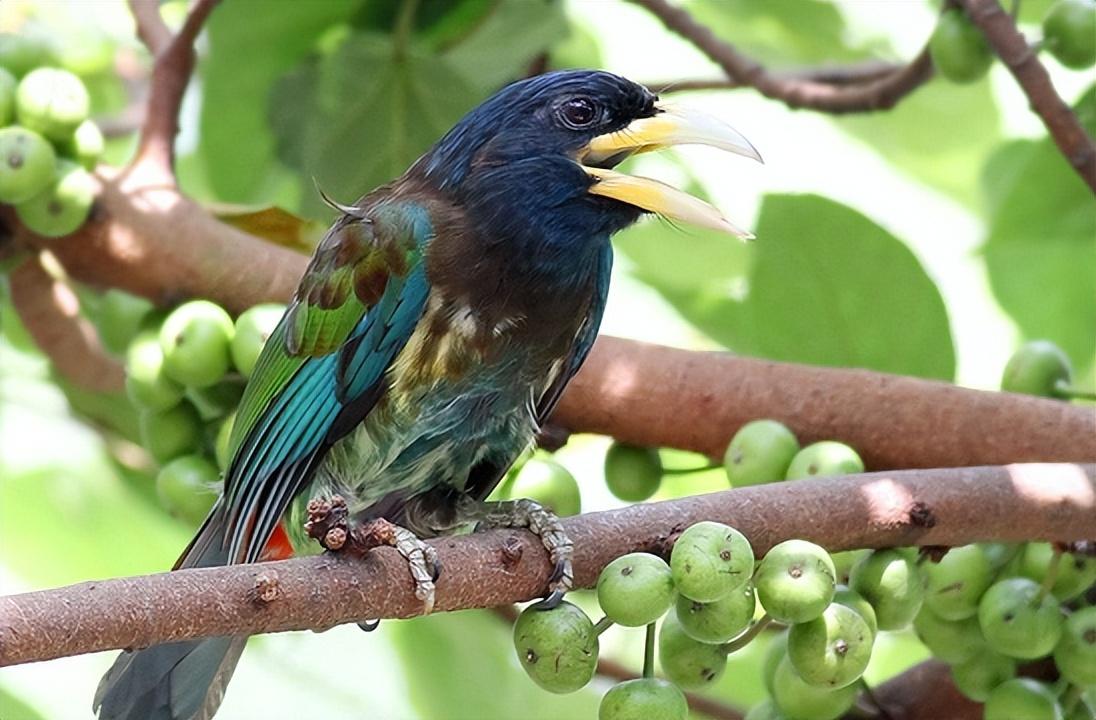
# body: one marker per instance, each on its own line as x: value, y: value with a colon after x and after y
x: 322, y: 370
x: 584, y: 340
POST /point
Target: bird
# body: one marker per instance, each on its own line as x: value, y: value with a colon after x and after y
x: 432, y: 333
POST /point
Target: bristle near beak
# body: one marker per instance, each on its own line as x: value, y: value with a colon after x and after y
x: 671, y: 125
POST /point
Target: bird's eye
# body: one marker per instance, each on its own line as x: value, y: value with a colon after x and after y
x: 578, y: 113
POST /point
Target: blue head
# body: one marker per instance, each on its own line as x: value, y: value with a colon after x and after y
x: 513, y: 162
x: 531, y: 167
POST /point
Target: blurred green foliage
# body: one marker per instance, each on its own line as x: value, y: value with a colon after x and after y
x: 335, y: 92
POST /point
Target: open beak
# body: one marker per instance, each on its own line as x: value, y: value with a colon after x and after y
x: 671, y: 125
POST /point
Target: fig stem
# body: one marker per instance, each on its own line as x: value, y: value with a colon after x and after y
x: 602, y: 625
x: 750, y: 633
x: 1071, y: 697
x: 691, y: 470
x: 649, y: 653
x: 1065, y: 391
x: 1049, y: 579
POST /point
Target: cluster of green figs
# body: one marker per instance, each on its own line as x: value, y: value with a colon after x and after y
x: 960, y: 53
x: 984, y: 609
x: 48, y: 144
x: 185, y: 374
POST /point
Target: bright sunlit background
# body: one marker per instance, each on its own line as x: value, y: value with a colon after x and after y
x: 67, y: 515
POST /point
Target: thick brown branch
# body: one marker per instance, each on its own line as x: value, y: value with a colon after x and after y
x: 878, y: 94
x: 51, y: 313
x: 925, y: 692
x: 929, y: 507
x: 1021, y: 60
x: 148, y: 238
x: 173, y: 65
x: 658, y: 396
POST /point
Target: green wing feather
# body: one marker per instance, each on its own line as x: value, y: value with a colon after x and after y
x: 323, y: 367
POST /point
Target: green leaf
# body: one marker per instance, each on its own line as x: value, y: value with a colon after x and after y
x: 372, y: 115
x: 780, y: 32
x: 827, y: 286
x: 909, y: 135
x: 250, y: 48
x: 506, y: 41
x: 1041, y: 248
x: 480, y: 646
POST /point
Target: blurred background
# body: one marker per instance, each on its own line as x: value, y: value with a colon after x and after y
x: 925, y: 240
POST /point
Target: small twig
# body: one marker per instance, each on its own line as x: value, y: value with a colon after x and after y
x: 1021, y: 60
x: 151, y: 28
x: 173, y: 65
x: 831, y: 75
x: 879, y: 94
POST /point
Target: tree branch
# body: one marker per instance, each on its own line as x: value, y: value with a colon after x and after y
x: 173, y: 64
x: 879, y: 94
x: 151, y: 28
x: 925, y: 692
x: 658, y: 396
x: 51, y: 313
x: 929, y: 507
x: 1021, y: 60
x: 830, y: 75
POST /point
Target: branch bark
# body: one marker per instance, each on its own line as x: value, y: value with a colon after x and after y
x: 925, y: 692
x: 922, y: 507
x: 879, y: 94
x: 658, y: 396
x: 173, y: 64
x: 830, y: 75
x: 51, y: 313
x: 1021, y: 60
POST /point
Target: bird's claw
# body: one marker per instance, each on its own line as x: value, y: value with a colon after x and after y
x: 543, y: 523
x: 330, y: 522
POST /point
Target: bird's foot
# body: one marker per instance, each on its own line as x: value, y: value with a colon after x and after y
x: 543, y: 523
x: 329, y: 523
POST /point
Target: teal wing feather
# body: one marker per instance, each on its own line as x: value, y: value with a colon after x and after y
x: 323, y: 368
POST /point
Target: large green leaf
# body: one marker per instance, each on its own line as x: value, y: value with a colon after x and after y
x: 506, y: 41
x: 827, y: 286
x: 482, y: 679
x: 1041, y: 249
x: 780, y: 32
x: 910, y: 136
x: 372, y: 114
x: 250, y: 46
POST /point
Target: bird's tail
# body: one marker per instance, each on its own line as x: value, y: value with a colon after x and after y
x: 181, y: 680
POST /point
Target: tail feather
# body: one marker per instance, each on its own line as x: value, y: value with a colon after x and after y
x: 181, y: 680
